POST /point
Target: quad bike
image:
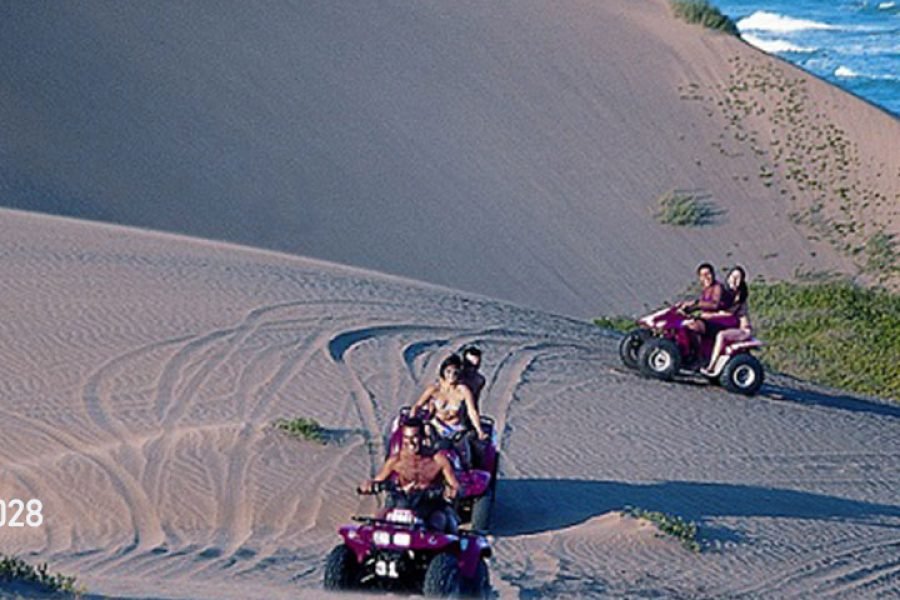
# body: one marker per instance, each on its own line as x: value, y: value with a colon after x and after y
x: 478, y: 481
x: 661, y: 348
x: 396, y: 549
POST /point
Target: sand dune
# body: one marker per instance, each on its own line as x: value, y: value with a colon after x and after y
x: 530, y: 139
x: 512, y: 150
x: 141, y: 373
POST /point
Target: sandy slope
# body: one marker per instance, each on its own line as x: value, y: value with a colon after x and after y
x: 531, y: 138
x: 139, y: 374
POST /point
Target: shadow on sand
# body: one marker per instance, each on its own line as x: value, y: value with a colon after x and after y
x: 526, y: 506
x: 840, y: 402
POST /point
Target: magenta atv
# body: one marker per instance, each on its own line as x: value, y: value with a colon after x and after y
x: 395, y: 549
x: 475, y: 501
x: 661, y: 347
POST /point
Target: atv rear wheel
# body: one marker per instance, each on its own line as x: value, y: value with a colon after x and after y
x: 478, y: 586
x: 630, y: 345
x: 743, y: 374
x: 442, y: 578
x: 481, y: 510
x: 341, y: 569
x: 659, y: 358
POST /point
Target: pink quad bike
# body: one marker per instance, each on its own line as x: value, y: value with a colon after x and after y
x: 396, y: 550
x: 475, y: 501
x: 660, y: 348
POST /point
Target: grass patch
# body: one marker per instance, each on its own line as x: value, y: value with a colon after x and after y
x: 684, y: 531
x: 704, y: 13
x: 831, y: 332
x: 881, y: 255
x: 303, y: 428
x: 17, y: 572
x: 685, y: 209
x: 620, y: 324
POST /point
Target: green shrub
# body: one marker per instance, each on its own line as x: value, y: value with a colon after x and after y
x: 832, y: 332
x: 675, y: 526
x: 304, y: 428
x: 620, y: 324
x: 685, y: 209
x: 881, y: 255
x: 16, y: 571
x: 704, y: 13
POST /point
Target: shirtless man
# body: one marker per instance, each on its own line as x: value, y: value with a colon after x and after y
x: 416, y: 472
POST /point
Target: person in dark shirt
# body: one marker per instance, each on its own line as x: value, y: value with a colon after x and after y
x: 469, y: 376
x: 472, y: 379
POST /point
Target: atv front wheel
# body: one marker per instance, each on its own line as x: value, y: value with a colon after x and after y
x: 743, y: 374
x: 659, y: 358
x: 442, y: 578
x: 341, y: 569
x: 630, y: 345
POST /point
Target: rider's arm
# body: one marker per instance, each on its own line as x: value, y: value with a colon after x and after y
x: 474, y: 417
x: 449, y: 475
x: 383, y: 474
x: 423, y: 400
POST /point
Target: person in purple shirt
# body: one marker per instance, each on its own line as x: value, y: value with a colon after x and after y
x: 712, y: 299
x: 712, y: 296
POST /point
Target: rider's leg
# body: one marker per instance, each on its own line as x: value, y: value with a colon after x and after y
x: 464, y: 451
x: 717, y: 350
x: 437, y: 520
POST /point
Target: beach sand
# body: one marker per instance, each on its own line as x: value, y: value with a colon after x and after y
x: 142, y: 372
x: 483, y: 173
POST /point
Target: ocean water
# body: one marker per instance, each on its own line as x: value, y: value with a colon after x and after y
x: 854, y: 44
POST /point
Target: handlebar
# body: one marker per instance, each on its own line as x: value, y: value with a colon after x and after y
x: 431, y: 493
x: 377, y: 487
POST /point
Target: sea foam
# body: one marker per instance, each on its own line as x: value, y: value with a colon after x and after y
x: 843, y: 71
x: 767, y: 21
x: 774, y: 46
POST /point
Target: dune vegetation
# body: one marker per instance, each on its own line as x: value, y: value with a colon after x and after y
x: 686, y: 209
x: 303, y: 428
x: 16, y: 572
x: 832, y: 332
x: 673, y: 525
x: 704, y: 13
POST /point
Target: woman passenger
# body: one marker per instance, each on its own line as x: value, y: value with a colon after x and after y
x: 733, y: 324
x: 447, y: 399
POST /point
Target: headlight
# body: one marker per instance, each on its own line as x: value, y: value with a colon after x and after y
x: 402, y: 539
x: 381, y: 538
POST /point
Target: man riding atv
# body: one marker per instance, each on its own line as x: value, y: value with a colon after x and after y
x: 416, y: 472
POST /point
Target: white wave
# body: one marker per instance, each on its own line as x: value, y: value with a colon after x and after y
x: 767, y: 21
x: 848, y: 73
x: 886, y: 5
x: 774, y: 46
x: 843, y: 71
